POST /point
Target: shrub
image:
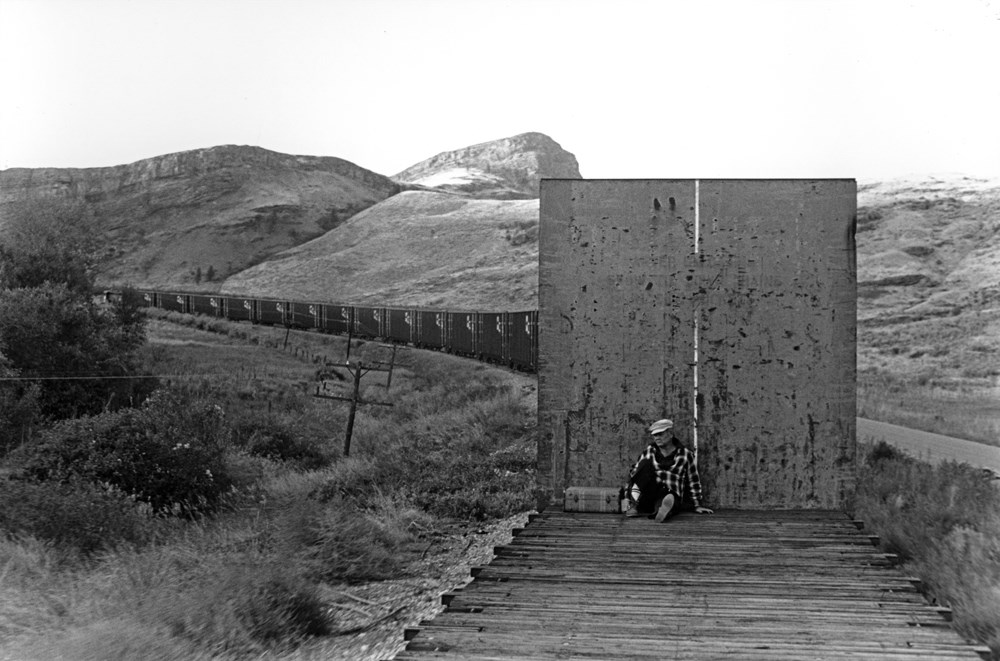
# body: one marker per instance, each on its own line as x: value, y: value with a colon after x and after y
x: 18, y: 407
x: 265, y: 602
x: 280, y: 439
x: 74, y: 515
x: 356, y: 478
x: 169, y: 453
x: 236, y: 608
x: 118, y: 639
x: 883, y: 451
x: 474, y: 486
x: 337, y: 541
x: 52, y: 330
x: 943, y: 521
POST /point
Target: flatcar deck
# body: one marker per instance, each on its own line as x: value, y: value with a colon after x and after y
x: 734, y: 585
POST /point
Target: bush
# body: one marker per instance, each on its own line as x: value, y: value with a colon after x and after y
x: 280, y: 439
x: 474, y: 486
x: 245, y: 608
x: 169, y: 453
x: 74, y: 515
x: 18, y: 407
x: 943, y: 521
x: 913, y: 503
x: 883, y: 451
x: 118, y: 639
x: 52, y: 330
x: 339, y: 542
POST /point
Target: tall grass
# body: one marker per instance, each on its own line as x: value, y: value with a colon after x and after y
x: 939, y: 374
x: 944, y: 523
x: 965, y: 410
x: 248, y: 580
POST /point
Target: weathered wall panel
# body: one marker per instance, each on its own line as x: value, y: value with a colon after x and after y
x: 772, y: 289
x: 615, y: 332
x: 777, y: 342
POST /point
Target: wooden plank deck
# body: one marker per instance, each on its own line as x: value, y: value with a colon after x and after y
x: 733, y: 585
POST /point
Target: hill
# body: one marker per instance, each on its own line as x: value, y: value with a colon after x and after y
x: 464, y: 236
x: 419, y: 248
x: 509, y: 168
x: 163, y: 220
x: 928, y: 247
x: 929, y: 305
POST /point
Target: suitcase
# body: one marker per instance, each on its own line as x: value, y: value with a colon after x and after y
x: 592, y: 499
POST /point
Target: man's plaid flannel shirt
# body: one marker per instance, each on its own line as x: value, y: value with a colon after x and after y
x: 674, y: 472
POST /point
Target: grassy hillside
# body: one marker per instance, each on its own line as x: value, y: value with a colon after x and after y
x: 192, y: 218
x: 310, y: 555
x: 929, y: 305
x: 419, y: 248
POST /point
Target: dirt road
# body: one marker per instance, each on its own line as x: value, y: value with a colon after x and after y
x: 930, y: 447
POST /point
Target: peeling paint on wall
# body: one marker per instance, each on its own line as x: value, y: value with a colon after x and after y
x: 770, y: 288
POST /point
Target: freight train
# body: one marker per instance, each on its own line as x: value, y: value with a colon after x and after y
x: 504, y: 338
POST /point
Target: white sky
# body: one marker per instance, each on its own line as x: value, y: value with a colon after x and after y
x: 646, y: 89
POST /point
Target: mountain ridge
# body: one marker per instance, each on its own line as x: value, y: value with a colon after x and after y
x: 171, y: 219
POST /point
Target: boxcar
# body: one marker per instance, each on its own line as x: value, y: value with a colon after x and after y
x: 240, y: 309
x: 491, y: 340
x: 207, y: 305
x: 175, y: 302
x: 522, y: 339
x: 369, y: 322
x: 401, y: 325
x: 337, y: 318
x: 303, y: 315
x: 432, y: 329
x: 271, y: 312
x: 149, y: 299
x: 462, y: 332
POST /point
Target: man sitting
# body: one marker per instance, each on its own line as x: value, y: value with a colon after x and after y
x: 664, y: 471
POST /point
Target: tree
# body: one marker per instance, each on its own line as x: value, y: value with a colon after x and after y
x: 62, y: 353
x: 210, y: 274
x: 48, y: 241
x: 197, y: 275
x: 74, y: 348
x: 18, y: 406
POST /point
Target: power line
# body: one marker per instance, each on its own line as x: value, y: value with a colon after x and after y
x: 100, y: 377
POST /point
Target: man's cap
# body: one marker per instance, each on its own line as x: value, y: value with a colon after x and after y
x: 660, y: 426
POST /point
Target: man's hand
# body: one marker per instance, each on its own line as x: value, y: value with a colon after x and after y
x: 704, y: 510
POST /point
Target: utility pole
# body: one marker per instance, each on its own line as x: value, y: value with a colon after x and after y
x: 382, y: 367
x: 357, y: 371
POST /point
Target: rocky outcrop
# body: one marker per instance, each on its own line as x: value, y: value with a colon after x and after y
x: 510, y: 168
x: 227, y: 167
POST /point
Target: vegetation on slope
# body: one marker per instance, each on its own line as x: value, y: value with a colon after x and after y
x: 190, y: 219
x: 944, y: 523
x: 53, y: 337
x: 257, y: 569
x: 419, y: 248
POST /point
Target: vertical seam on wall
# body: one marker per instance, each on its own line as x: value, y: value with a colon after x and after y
x: 697, y: 315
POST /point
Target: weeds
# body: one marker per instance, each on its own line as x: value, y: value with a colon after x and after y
x: 168, y: 454
x: 944, y: 523
x: 245, y: 579
x: 925, y: 402
x: 76, y: 516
